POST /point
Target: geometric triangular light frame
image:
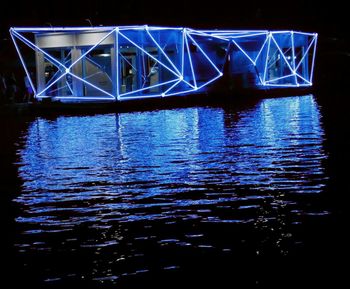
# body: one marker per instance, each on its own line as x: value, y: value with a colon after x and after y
x: 119, y: 63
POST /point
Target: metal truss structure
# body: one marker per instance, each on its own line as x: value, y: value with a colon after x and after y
x: 133, y: 62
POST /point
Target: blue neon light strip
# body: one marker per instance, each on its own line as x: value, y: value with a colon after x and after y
x: 266, y: 61
x: 313, y: 58
x: 23, y: 63
x: 71, y: 90
x: 307, y: 81
x: 282, y: 54
x: 306, y: 53
x: 80, y: 97
x: 245, y: 53
x: 205, y: 55
x: 92, y: 85
x: 162, y: 51
x: 279, y: 78
x: 209, y: 35
x: 189, y: 84
x: 148, y: 87
x: 116, y: 53
x: 50, y: 85
x: 261, y: 49
x: 141, y: 96
x: 246, y: 36
x: 210, y: 81
x: 293, y: 55
x: 182, y: 92
x: 34, y: 47
x: 190, y: 59
x: 170, y: 88
x: 183, y: 52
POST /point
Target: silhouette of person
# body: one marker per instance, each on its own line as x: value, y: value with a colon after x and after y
x: 12, y: 89
x: 3, y: 88
x: 129, y: 80
x: 28, y: 93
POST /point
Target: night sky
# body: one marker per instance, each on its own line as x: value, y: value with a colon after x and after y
x: 329, y: 17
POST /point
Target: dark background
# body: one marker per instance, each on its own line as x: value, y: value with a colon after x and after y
x: 329, y: 17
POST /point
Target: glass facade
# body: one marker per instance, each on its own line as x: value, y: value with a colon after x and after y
x: 132, y: 62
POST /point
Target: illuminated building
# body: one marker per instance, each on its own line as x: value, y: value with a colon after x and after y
x: 134, y: 62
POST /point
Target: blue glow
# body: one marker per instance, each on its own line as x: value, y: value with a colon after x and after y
x: 313, y: 58
x: 261, y: 49
x: 81, y: 97
x: 117, y: 61
x: 144, y: 51
x: 304, y: 79
x: 280, y: 78
x: 245, y: 53
x: 210, y: 81
x: 268, y: 51
x: 143, y: 62
x: 166, y: 56
x: 189, y: 84
x: 61, y: 161
x: 170, y: 88
x: 190, y: 59
x: 306, y: 54
x: 281, y: 53
x: 140, y: 96
x: 183, y: 53
x: 205, y: 55
x: 293, y: 56
x: 248, y: 35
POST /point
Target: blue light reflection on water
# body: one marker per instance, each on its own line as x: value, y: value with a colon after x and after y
x: 198, y: 164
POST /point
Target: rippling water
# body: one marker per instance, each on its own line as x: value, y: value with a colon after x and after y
x: 113, y: 198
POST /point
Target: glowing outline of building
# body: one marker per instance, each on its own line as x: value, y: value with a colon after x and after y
x: 135, y: 62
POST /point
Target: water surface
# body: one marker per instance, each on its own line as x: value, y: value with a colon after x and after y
x: 123, y: 199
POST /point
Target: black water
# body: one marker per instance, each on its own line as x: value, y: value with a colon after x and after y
x: 209, y: 196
